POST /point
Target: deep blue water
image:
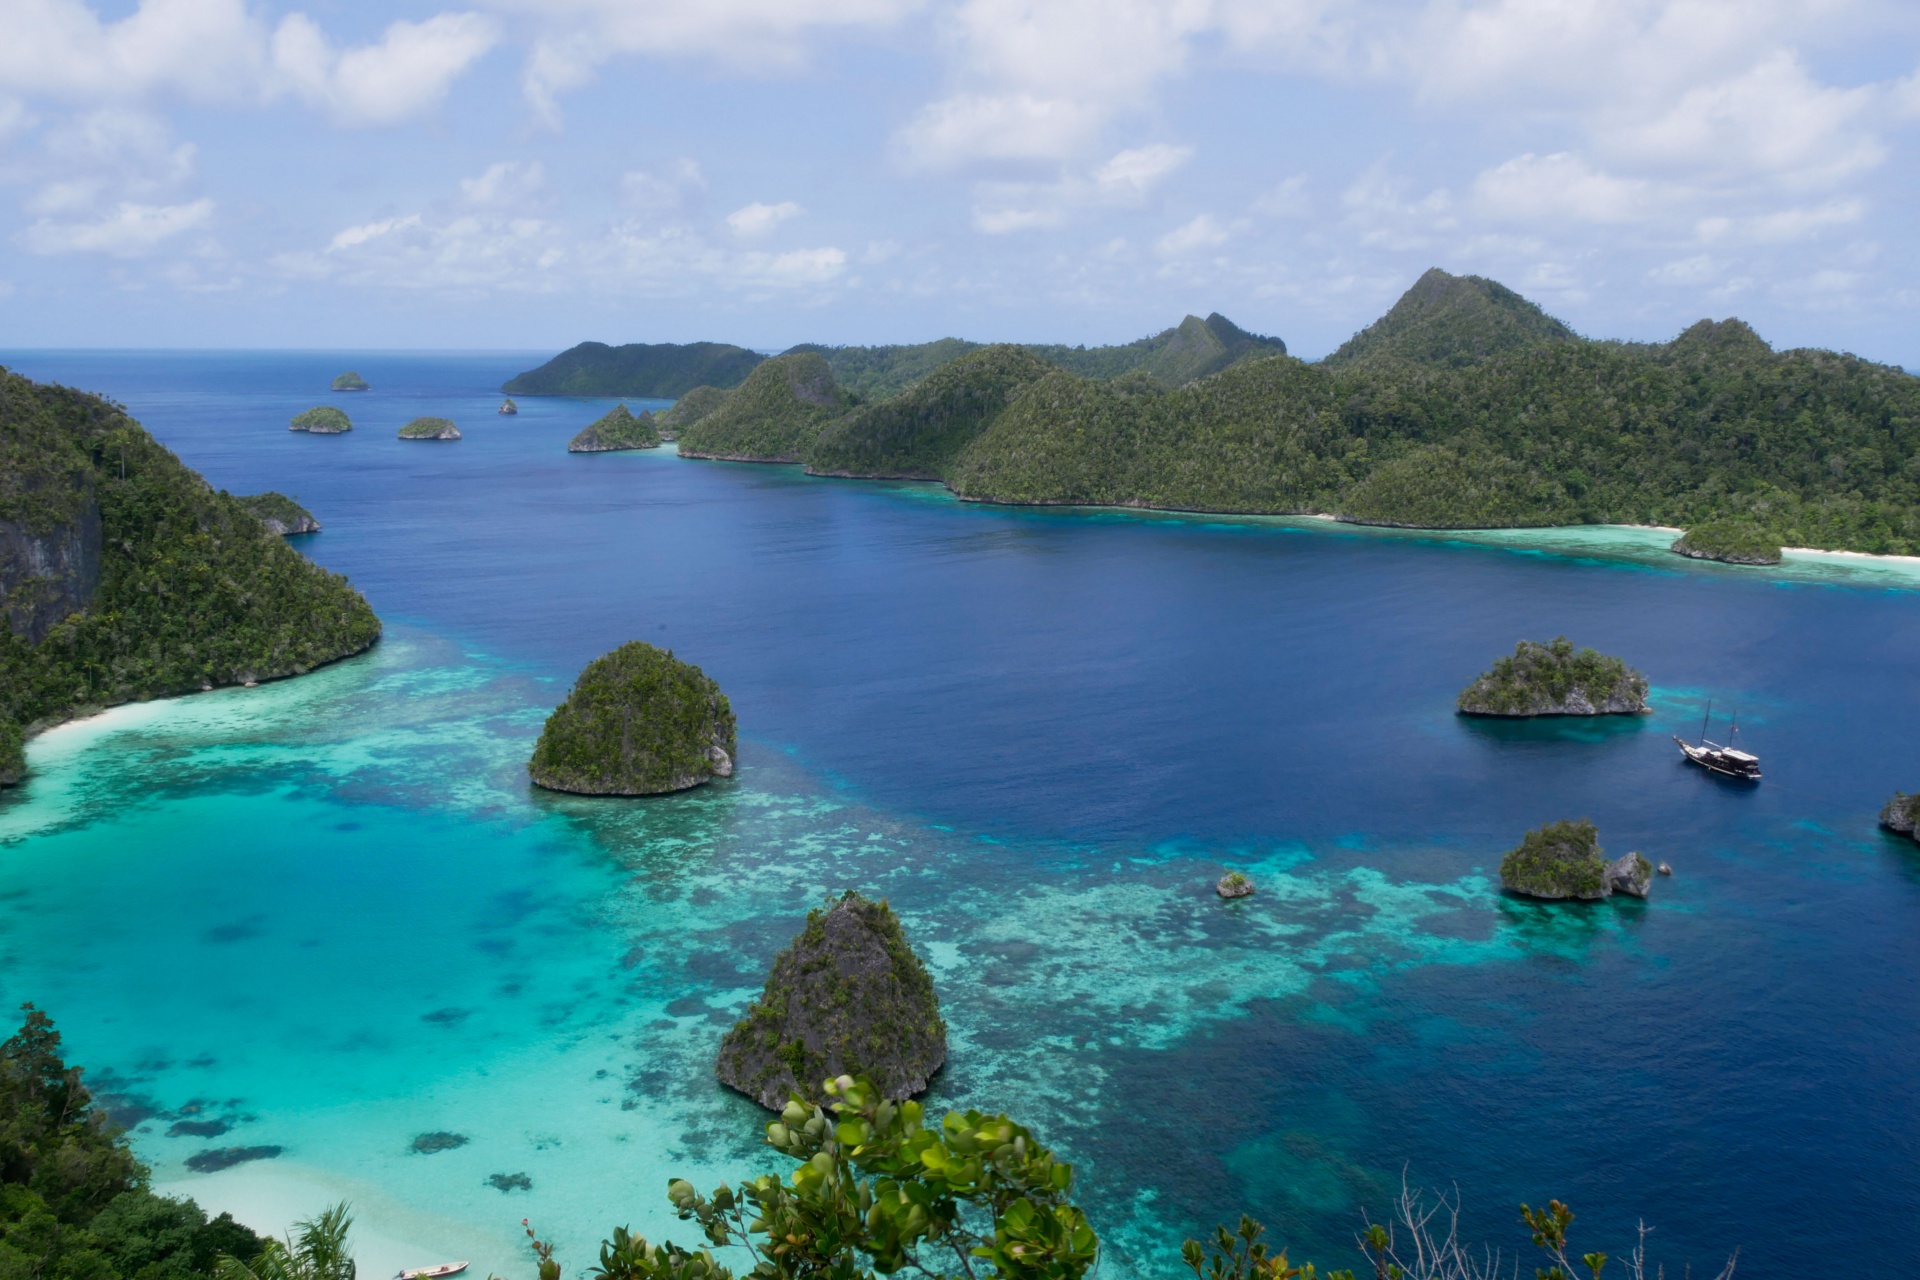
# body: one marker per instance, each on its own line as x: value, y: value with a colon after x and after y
x: 1042, y: 733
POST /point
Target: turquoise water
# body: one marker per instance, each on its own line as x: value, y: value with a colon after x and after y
x: 328, y: 916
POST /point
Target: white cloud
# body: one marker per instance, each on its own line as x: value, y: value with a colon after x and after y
x: 407, y: 73
x: 129, y: 231
x: 750, y: 222
x: 642, y: 190
x: 1532, y: 188
x: 1204, y: 232
x: 577, y: 36
x: 1138, y: 170
x: 1010, y: 126
x: 1286, y: 200
x: 507, y: 182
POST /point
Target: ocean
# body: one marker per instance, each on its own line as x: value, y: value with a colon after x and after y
x: 294, y: 930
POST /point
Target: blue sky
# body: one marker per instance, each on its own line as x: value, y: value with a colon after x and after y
x: 512, y: 173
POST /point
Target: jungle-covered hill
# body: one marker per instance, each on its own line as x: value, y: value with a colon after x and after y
x: 663, y: 370
x: 1466, y: 406
x: 125, y: 576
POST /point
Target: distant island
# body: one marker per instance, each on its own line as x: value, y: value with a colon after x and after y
x: 430, y: 429
x: 350, y: 381
x: 281, y: 514
x: 1730, y: 541
x: 663, y: 370
x: 200, y: 593
x: 507, y: 406
x: 1192, y: 349
x: 1465, y: 406
x: 1564, y: 860
x: 847, y: 997
x: 618, y: 428
x: 638, y: 722
x: 1555, y: 679
x: 321, y: 420
x: 1902, y: 814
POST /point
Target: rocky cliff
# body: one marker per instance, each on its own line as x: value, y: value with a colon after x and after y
x: 48, y: 574
x: 847, y: 997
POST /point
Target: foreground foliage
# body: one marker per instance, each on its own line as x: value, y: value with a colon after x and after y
x: 74, y: 1203
x: 192, y: 591
x: 315, y: 1249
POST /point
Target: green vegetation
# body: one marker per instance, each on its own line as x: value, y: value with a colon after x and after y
x: 1555, y: 680
x: 1192, y: 349
x: 350, y: 381
x: 13, y: 754
x: 773, y: 416
x: 616, y: 429
x: 663, y: 370
x: 875, y: 373
x: 687, y: 410
x: 74, y: 1203
x: 508, y: 407
x: 917, y: 435
x: 875, y: 1191
x: 638, y: 722
x: 314, y: 1250
x: 1733, y: 541
x: 171, y: 587
x: 281, y: 514
x: 1558, y: 860
x: 430, y: 429
x: 321, y: 420
x: 847, y: 997
x: 1451, y: 322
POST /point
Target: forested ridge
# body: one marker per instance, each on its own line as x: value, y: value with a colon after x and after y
x: 124, y: 575
x: 1466, y: 406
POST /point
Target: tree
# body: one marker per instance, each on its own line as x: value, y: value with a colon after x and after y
x: 315, y: 1249
x: 875, y: 1192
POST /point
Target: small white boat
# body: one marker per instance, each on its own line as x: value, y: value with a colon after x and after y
x: 433, y: 1273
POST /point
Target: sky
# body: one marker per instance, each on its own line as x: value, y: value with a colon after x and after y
x: 528, y: 174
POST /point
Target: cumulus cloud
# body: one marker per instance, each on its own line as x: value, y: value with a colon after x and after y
x: 1532, y: 188
x: 1204, y: 232
x: 507, y: 182
x: 1138, y: 170
x: 755, y: 220
x: 129, y: 231
x: 409, y: 71
x: 644, y: 190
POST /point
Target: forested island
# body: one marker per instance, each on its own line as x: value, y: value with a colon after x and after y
x: 1555, y: 679
x: 430, y: 429
x: 618, y: 428
x: 1465, y: 406
x: 350, y: 381
x: 125, y: 576
x: 321, y: 420
x: 638, y: 722
x: 662, y: 370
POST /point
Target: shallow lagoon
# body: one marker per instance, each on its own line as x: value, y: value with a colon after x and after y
x: 330, y: 914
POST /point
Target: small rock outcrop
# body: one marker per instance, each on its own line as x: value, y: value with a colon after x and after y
x: 847, y: 997
x: 617, y: 429
x: 430, y: 429
x: 1233, y: 885
x: 508, y: 406
x: 1559, y: 860
x: 1555, y: 680
x: 1631, y: 875
x: 1730, y: 542
x: 350, y: 381
x: 281, y: 514
x: 1564, y: 860
x: 1902, y: 814
x: 639, y: 722
x: 322, y: 420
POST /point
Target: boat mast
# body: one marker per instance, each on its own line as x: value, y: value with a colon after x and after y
x: 1704, y: 721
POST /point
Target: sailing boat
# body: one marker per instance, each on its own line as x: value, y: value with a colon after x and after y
x: 1728, y: 761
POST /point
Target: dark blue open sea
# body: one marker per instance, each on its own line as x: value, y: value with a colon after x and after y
x: 325, y: 916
